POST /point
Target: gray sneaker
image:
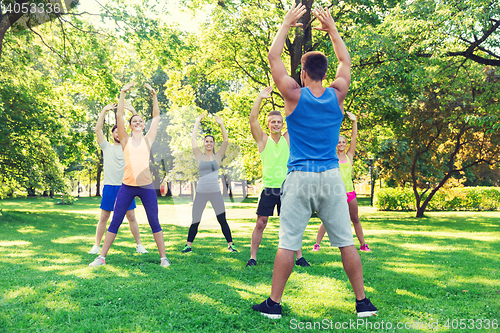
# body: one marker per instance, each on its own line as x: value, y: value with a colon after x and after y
x: 141, y: 249
x: 95, y: 250
x: 99, y: 261
x: 165, y: 262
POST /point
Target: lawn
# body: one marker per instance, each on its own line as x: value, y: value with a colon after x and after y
x: 440, y: 270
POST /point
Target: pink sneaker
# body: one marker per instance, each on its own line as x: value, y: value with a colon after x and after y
x: 365, y: 248
x: 316, y: 247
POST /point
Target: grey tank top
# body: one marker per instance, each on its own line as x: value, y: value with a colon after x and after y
x: 209, y: 177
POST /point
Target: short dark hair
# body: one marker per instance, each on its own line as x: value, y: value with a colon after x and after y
x: 113, y: 129
x: 315, y: 64
x: 274, y: 113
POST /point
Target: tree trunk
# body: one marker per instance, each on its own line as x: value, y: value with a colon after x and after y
x: 224, y: 186
x: 31, y: 192
x: 45, y: 194
x: 302, y: 42
x: 244, y: 188
x: 99, y: 171
x: 6, y: 21
x: 169, y: 189
x: 51, y: 194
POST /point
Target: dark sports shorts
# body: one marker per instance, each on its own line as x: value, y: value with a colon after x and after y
x: 108, y: 199
x: 269, y: 198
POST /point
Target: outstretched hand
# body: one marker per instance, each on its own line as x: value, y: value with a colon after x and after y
x: 294, y: 14
x: 127, y: 86
x: 219, y: 120
x: 148, y: 87
x: 326, y: 20
x: 266, y: 92
x: 110, y: 106
x: 351, y: 116
x: 129, y: 107
x: 200, y: 117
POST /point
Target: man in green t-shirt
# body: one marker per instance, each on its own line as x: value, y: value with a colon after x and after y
x: 274, y: 152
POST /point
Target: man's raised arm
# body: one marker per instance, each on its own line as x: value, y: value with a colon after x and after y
x: 98, y: 126
x: 343, y: 75
x: 257, y: 132
x: 286, y: 85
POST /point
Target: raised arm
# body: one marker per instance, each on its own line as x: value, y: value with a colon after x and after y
x: 120, y: 122
x: 153, y: 129
x: 343, y: 75
x: 286, y: 85
x: 258, y: 134
x: 129, y: 107
x: 98, y: 127
x: 225, y: 140
x: 194, y: 141
x: 352, y: 147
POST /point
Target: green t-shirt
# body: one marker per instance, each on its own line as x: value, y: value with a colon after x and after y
x: 345, y: 171
x: 274, y: 159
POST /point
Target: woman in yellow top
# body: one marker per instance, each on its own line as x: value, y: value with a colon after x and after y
x: 136, y: 177
x: 346, y: 159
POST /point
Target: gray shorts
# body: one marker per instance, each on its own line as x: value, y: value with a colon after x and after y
x: 307, y: 192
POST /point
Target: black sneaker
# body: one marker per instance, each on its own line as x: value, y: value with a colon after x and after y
x: 302, y: 262
x: 232, y: 248
x: 273, y: 312
x: 186, y: 249
x: 251, y: 262
x: 365, y: 308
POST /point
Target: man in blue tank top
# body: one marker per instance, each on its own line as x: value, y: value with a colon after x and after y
x: 313, y: 183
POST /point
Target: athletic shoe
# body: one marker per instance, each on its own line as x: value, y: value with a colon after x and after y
x: 141, y: 249
x: 98, y: 262
x: 251, y: 262
x: 95, y: 250
x: 302, y: 262
x: 231, y: 248
x: 316, y: 247
x: 186, y: 249
x: 365, y: 308
x: 165, y: 262
x: 273, y: 312
x: 365, y: 248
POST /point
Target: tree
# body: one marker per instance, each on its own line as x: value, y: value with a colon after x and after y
x: 451, y: 128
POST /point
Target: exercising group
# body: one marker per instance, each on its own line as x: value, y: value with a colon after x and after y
x: 301, y: 174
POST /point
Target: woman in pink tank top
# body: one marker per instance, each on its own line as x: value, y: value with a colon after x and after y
x: 136, y: 177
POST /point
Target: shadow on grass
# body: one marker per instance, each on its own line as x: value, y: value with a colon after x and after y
x: 417, y: 271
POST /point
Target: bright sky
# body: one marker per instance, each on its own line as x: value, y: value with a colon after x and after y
x: 185, y: 20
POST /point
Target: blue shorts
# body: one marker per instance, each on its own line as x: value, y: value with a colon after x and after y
x: 108, y: 199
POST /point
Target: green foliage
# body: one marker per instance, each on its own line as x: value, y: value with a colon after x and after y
x: 450, y: 199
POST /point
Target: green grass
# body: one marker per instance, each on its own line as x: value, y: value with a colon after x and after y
x: 442, y: 267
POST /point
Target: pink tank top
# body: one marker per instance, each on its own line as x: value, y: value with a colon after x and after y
x: 136, y: 171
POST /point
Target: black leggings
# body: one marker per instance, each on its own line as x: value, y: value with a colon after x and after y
x: 200, y: 201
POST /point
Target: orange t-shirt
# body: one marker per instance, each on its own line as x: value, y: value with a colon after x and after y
x: 136, y: 171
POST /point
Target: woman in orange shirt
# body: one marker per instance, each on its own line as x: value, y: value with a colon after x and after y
x: 137, y: 177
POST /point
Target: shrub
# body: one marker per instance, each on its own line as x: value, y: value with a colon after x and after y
x: 457, y: 198
x: 67, y: 199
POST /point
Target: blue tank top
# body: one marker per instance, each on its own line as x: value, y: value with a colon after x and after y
x: 314, y: 127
